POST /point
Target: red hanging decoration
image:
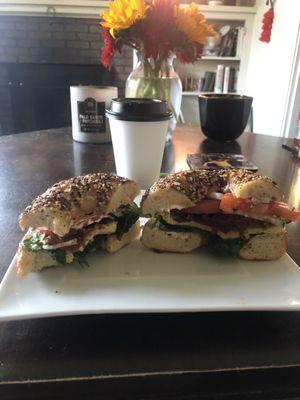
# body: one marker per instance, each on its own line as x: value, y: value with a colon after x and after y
x: 267, y: 23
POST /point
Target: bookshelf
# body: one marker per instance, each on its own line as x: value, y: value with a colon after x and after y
x: 219, y: 15
x: 236, y: 17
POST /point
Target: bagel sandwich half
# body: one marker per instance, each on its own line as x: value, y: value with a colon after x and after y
x: 235, y: 213
x: 75, y: 217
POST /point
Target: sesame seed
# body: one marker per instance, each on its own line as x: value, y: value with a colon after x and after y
x: 65, y: 195
x: 197, y: 184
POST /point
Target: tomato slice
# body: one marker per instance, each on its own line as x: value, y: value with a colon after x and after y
x: 243, y: 205
x: 206, y: 206
x: 283, y: 210
x: 88, y: 218
x: 45, y: 231
x: 227, y: 202
x: 259, y: 209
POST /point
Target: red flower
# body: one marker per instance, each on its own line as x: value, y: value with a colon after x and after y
x: 158, y: 29
x: 189, y: 54
x: 157, y: 34
x: 267, y: 25
x: 108, y: 50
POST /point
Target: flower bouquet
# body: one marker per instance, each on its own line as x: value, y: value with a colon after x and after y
x: 158, y: 30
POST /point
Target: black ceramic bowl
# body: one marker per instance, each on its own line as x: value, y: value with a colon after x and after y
x: 224, y: 117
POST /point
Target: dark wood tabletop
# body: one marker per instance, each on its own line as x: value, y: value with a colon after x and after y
x: 153, y: 356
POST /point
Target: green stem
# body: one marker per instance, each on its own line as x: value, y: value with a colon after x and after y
x: 153, y: 82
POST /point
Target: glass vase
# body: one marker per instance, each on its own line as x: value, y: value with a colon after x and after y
x: 156, y: 79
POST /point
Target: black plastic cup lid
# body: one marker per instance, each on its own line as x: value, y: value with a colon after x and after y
x: 140, y: 110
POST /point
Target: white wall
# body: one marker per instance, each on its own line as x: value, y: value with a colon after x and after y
x: 270, y: 66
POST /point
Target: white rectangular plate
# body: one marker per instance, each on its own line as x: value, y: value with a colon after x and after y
x: 137, y: 280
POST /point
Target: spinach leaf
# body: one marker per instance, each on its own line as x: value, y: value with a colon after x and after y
x: 94, y: 244
x: 126, y: 216
x: 215, y: 244
x: 79, y: 256
x: 164, y: 226
x: 59, y: 256
x: 35, y: 242
x: 225, y: 247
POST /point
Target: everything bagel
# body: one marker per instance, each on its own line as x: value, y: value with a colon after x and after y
x: 232, y: 212
x: 187, y: 188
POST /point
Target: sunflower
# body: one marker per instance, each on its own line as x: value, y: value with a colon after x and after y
x: 122, y: 14
x: 193, y: 23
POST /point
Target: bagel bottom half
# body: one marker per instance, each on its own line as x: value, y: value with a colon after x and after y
x: 172, y: 241
x: 264, y: 246
x: 34, y: 261
x: 268, y: 246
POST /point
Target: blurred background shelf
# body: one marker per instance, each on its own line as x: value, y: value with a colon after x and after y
x: 240, y: 19
x: 219, y: 58
x: 91, y: 8
x: 225, y: 9
x: 196, y: 93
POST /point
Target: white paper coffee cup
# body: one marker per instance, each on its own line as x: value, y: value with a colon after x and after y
x: 138, y: 131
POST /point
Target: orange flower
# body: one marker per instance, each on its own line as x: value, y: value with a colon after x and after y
x: 122, y: 14
x: 193, y: 23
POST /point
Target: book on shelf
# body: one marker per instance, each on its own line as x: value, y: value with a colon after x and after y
x: 209, y: 81
x: 219, y: 79
x: 202, y: 81
x: 240, y: 41
x: 196, y: 84
x: 232, y: 84
x: 187, y: 83
x: 212, y: 83
x: 228, y: 47
x: 225, y: 80
x: 190, y: 84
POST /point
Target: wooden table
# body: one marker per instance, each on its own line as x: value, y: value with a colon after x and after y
x: 204, y: 355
